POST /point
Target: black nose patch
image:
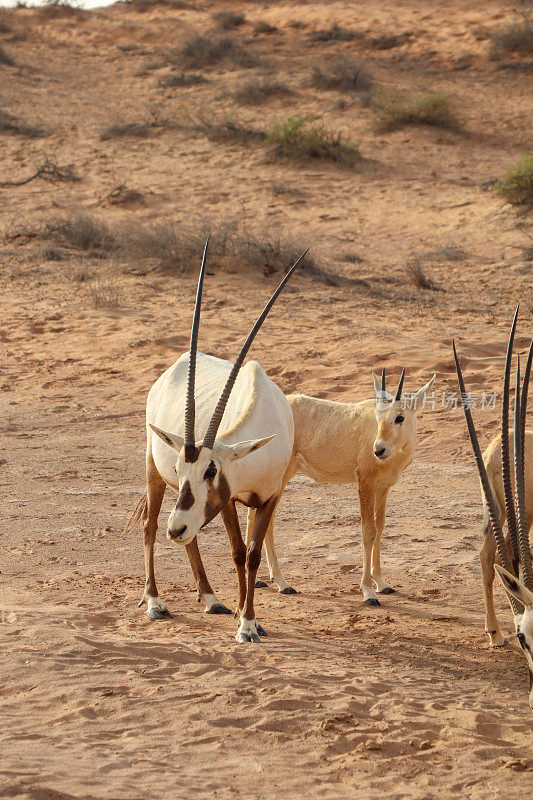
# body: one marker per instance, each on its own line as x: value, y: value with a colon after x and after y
x: 185, y: 498
x: 380, y: 451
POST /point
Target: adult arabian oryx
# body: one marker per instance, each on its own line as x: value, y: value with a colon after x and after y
x: 370, y: 444
x: 499, y: 503
x: 242, y: 412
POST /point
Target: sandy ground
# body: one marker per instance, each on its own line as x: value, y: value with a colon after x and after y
x: 341, y: 701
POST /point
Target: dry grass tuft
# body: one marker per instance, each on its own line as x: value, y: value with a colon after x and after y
x: 200, y: 52
x: 229, y: 20
x: 517, y: 37
x: 344, y: 74
x: 121, y: 128
x: 104, y: 292
x: 414, y: 268
x: 262, y: 26
x: 122, y: 195
x: 49, y: 171
x: 12, y: 125
x: 334, y: 34
x: 430, y: 108
x: 141, y: 6
x: 517, y: 184
x: 182, y: 79
x: 5, y: 58
x: 256, y: 91
x: 60, y: 8
x: 225, y: 129
x: 296, y: 137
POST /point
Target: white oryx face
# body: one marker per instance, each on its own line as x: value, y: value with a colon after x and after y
x: 523, y: 622
x: 204, y: 482
x: 396, y: 419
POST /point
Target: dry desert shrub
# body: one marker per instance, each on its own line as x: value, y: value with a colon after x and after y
x: 225, y: 129
x: 60, y: 8
x: 296, y: 137
x: 121, y: 128
x: 335, y: 33
x: 122, y: 194
x: 12, y: 125
x: 228, y: 20
x: 414, y: 268
x: 5, y: 58
x: 517, y: 183
x: 182, y: 79
x: 262, y: 26
x: 141, y: 6
x: 49, y: 171
x: 104, y: 292
x: 174, y: 246
x: 256, y: 91
x: 199, y: 52
x: 518, y: 36
x: 5, y: 27
x: 426, y: 108
x: 344, y: 74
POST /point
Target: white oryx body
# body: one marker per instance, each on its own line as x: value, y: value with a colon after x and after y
x: 359, y: 443
x: 256, y: 409
x: 247, y: 431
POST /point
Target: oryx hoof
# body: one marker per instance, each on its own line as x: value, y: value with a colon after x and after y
x: 156, y: 613
x: 260, y: 630
x: 387, y: 590
x: 248, y: 637
x: 218, y: 608
x: 372, y: 601
x: 261, y: 585
x: 288, y: 590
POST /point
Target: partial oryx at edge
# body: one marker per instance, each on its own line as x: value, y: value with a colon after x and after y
x: 244, y: 453
x: 501, y: 503
x: 368, y: 444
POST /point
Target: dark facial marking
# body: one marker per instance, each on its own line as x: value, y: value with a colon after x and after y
x: 191, y: 453
x: 210, y: 472
x: 217, y: 497
x: 186, y: 497
x: 399, y: 419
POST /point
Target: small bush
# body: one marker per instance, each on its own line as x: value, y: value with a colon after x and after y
x: 10, y: 124
x: 228, y: 20
x: 222, y: 129
x: 120, y: 128
x: 517, y: 183
x: 5, y: 27
x: 255, y: 91
x: 416, y: 275
x: 430, y: 108
x: 121, y: 195
x: 296, y: 137
x: 345, y: 74
x: 5, y: 58
x: 199, y: 52
x: 104, y: 292
x: 60, y: 8
x: 182, y: 79
x: 82, y: 231
x: 388, y: 41
x: 515, y: 38
x: 264, y: 27
x: 335, y: 34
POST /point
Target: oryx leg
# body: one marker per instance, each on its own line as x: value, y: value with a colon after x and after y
x: 205, y: 592
x: 379, y: 515
x: 238, y: 549
x: 488, y: 556
x: 250, y: 522
x: 367, y: 492
x: 155, y: 489
x: 249, y: 630
x: 276, y: 575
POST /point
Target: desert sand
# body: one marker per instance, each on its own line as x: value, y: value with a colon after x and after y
x: 341, y: 701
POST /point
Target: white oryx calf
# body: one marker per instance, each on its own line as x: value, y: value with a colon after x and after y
x: 369, y: 444
x: 241, y: 412
x: 501, y: 503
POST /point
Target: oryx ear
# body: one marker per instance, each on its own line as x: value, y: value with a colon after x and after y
x: 242, y: 449
x: 417, y: 398
x: 515, y: 587
x: 176, y: 442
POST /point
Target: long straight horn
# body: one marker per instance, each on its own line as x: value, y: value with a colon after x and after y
x: 523, y: 535
x: 383, y: 380
x: 506, y: 460
x: 494, y: 513
x: 400, y: 386
x: 190, y: 409
x: 216, y: 419
x: 523, y: 398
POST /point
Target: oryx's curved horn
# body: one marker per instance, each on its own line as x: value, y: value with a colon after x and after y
x: 216, y: 419
x: 400, y: 386
x: 494, y: 513
x: 383, y: 379
x: 506, y: 461
x: 523, y: 398
x: 523, y: 535
x: 189, y: 400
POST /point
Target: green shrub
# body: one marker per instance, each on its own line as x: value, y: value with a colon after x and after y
x: 427, y: 108
x: 296, y: 137
x: 517, y: 183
